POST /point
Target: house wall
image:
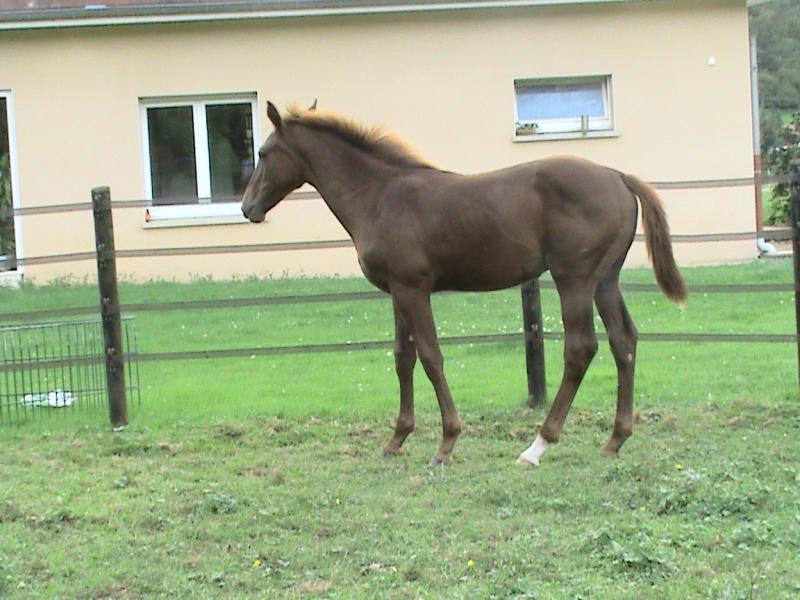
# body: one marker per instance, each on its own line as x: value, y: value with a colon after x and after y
x: 442, y: 79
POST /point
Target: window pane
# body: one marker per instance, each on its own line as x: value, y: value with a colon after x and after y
x: 172, y: 160
x: 7, y: 245
x: 230, y: 148
x: 560, y: 100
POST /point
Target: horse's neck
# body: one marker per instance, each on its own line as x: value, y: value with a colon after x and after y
x: 348, y: 179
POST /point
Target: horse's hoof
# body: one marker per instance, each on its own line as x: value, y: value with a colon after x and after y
x: 526, y: 463
x: 437, y: 461
x: 609, y: 452
x: 392, y: 452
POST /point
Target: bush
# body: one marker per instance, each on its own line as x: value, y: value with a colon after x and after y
x: 779, y: 160
x: 776, y: 207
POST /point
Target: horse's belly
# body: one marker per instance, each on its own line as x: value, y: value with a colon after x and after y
x: 491, y: 270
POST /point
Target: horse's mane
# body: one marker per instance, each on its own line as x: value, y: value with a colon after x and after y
x: 387, y: 146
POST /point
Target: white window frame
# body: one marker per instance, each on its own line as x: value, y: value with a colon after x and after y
x: 204, y: 212
x: 565, y: 128
x: 16, y: 194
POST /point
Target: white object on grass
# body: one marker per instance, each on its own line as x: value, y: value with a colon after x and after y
x: 55, y: 399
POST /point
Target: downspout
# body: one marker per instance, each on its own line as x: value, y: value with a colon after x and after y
x: 763, y: 246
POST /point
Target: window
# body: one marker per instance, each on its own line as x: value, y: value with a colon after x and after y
x: 7, y: 238
x: 198, y: 151
x: 563, y: 107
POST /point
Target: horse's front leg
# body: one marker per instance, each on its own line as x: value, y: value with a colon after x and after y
x: 415, y: 308
x: 405, y: 357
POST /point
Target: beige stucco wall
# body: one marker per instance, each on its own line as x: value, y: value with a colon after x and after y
x: 444, y: 80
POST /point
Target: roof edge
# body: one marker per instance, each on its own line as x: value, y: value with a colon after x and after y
x: 100, y: 15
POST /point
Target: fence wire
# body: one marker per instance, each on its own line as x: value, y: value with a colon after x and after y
x: 8, y: 212
x: 776, y: 235
x: 37, y: 363
x: 313, y: 195
x: 225, y: 303
x: 453, y: 341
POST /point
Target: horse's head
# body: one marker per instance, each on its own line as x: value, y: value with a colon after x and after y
x: 279, y: 172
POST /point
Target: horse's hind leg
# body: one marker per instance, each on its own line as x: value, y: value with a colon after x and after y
x: 622, y: 337
x: 580, y: 346
x: 405, y: 357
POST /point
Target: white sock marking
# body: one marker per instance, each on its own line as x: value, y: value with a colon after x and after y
x: 534, y: 453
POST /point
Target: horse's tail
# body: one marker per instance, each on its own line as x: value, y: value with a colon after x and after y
x: 657, y: 239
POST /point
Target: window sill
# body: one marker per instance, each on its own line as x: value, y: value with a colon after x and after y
x: 193, y: 215
x: 576, y: 135
x: 194, y: 222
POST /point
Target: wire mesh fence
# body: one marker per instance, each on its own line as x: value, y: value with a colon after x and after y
x: 59, y: 367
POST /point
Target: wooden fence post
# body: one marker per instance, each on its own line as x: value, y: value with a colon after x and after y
x: 109, y: 306
x: 534, y: 343
x: 794, y: 211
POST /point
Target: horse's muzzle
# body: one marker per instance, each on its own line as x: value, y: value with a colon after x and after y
x: 253, y: 218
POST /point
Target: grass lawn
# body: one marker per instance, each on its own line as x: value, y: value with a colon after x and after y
x: 263, y: 477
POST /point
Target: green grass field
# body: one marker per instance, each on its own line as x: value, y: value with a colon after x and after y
x: 262, y: 477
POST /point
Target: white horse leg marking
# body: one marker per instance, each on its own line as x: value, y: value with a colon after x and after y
x: 532, y: 455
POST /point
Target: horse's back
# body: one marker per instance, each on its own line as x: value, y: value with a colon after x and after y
x: 578, y: 215
x: 496, y: 229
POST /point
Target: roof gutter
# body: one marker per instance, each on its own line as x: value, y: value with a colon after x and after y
x: 101, y: 15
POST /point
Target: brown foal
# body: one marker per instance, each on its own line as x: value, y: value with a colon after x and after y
x: 418, y: 230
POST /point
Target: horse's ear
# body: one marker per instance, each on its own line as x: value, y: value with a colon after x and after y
x: 313, y: 107
x: 274, y: 116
